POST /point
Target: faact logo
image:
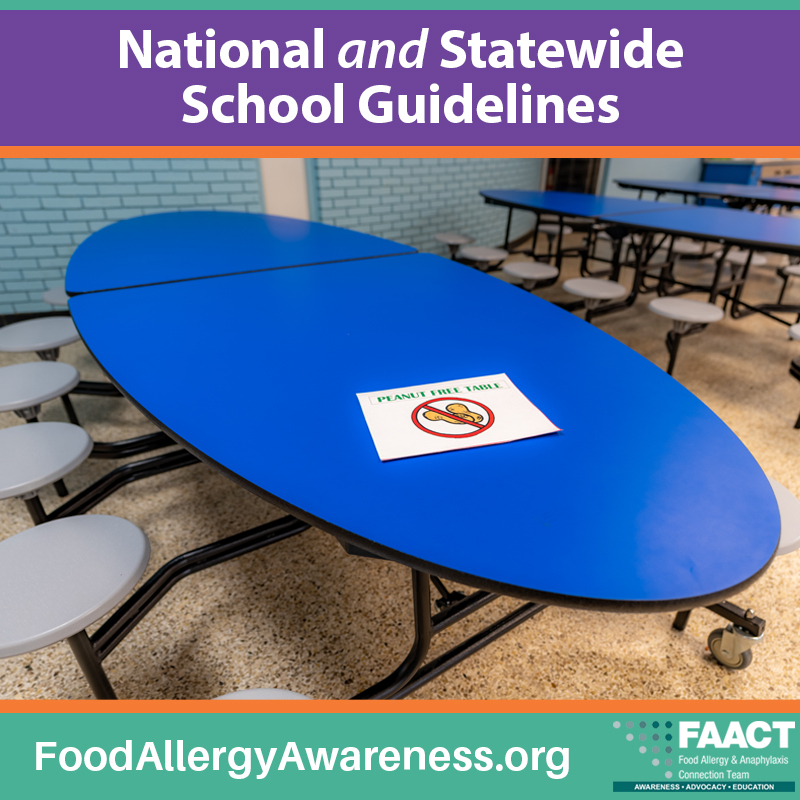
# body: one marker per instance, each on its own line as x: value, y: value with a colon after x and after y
x: 757, y: 734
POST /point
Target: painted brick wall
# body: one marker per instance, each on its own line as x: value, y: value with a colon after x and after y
x: 673, y: 169
x: 49, y: 206
x: 410, y: 200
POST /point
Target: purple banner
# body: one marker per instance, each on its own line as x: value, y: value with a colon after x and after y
x: 702, y: 78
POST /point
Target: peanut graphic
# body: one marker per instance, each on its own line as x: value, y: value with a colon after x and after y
x: 457, y: 410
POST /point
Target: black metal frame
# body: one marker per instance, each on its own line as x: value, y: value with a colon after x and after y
x: 765, y: 309
x: 110, y: 483
x: 794, y: 371
x: 97, y: 388
x: 673, y: 342
x: 91, y: 651
x: 131, y: 447
x: 738, y: 616
x: 411, y: 675
x: 559, y: 252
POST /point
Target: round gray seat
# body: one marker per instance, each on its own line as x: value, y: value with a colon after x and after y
x: 61, y: 576
x: 789, y: 271
x: 483, y: 256
x: 43, y: 335
x: 683, y: 247
x: 453, y: 240
x: 688, y: 316
x: 739, y: 258
x: 594, y: 289
x: 531, y: 272
x: 57, y: 296
x: 789, y: 508
x: 552, y: 228
x: 692, y: 312
x: 794, y: 332
x: 263, y: 694
x: 33, y: 456
x: 24, y: 387
x: 605, y: 235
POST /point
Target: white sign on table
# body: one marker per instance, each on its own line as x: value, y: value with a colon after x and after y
x: 453, y: 415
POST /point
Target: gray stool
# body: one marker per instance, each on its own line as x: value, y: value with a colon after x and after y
x: 594, y: 291
x: 792, y: 271
x: 453, y: 240
x: 550, y: 230
x: 603, y: 234
x: 531, y: 273
x: 739, y: 258
x: 57, y: 296
x: 789, y: 508
x: 263, y: 694
x: 43, y: 335
x: 24, y: 387
x: 33, y: 456
x: 794, y: 367
x: 483, y: 257
x: 683, y: 247
x: 688, y: 316
x: 60, y: 577
x: 620, y: 246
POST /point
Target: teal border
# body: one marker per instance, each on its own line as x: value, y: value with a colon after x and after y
x: 444, y: 5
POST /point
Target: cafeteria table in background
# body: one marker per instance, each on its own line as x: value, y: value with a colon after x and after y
x: 790, y: 181
x: 735, y: 195
x: 658, y: 223
x: 661, y: 509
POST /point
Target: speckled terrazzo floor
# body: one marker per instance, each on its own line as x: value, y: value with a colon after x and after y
x: 305, y: 616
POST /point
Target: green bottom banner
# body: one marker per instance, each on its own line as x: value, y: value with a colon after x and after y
x: 394, y: 754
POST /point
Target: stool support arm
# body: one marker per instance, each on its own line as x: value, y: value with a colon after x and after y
x: 97, y: 388
x: 139, y: 604
x: 90, y: 666
x: 131, y: 447
x: 119, y: 477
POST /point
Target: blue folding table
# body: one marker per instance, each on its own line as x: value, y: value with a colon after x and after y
x: 200, y: 244
x: 790, y: 181
x: 730, y: 227
x: 736, y: 195
x: 659, y: 509
x: 727, y: 226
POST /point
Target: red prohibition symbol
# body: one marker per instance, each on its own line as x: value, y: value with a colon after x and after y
x: 456, y: 411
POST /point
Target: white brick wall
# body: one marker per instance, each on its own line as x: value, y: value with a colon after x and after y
x: 49, y: 206
x: 411, y: 199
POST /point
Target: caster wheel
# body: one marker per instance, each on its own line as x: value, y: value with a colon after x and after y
x: 742, y: 661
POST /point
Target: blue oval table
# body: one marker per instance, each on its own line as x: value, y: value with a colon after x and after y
x: 645, y: 501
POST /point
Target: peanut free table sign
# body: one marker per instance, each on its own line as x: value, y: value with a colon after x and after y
x: 453, y: 415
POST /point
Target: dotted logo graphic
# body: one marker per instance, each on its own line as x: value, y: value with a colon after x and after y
x: 653, y: 743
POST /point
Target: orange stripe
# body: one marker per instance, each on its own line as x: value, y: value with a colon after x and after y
x: 394, y: 707
x: 363, y: 151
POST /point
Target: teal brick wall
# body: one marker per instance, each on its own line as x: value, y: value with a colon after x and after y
x: 410, y: 200
x: 673, y: 169
x: 49, y: 206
